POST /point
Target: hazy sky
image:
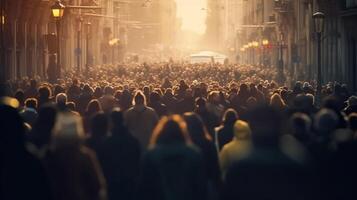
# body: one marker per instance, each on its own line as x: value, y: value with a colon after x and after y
x: 193, y: 18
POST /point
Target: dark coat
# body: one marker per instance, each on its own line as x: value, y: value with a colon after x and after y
x: 268, y: 173
x: 224, y: 134
x: 174, y: 172
x: 23, y: 176
x: 120, y: 159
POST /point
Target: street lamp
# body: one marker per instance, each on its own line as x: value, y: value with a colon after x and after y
x: 78, y: 49
x: 57, y: 13
x: 88, y: 29
x: 255, y: 45
x: 281, y: 77
x: 319, y: 18
x: 265, y: 44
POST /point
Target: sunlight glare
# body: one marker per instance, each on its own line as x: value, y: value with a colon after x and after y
x: 193, y: 15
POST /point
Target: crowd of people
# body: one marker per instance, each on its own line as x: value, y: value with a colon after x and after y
x: 176, y: 131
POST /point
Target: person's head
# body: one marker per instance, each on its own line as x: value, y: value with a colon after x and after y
x: 168, y: 92
x: 230, y: 116
x: 44, y: 92
x: 61, y: 99
x: 87, y: 89
x: 12, y: 134
x: 31, y: 103
x: 241, y: 130
x: 20, y: 96
x: 71, y: 106
x: 33, y: 83
x: 99, y: 125
x: 300, y: 123
x: 196, y: 127
x: 243, y: 89
x: 116, y: 120
x: 68, y: 132
x: 58, y: 89
x: 108, y: 90
x: 155, y: 97
x: 93, y: 107
x: 98, y: 92
x: 326, y: 121
x: 276, y: 101
x: 139, y: 98
x: 213, y: 97
x: 170, y: 130
x: 146, y: 90
x: 266, y: 125
x: 200, y: 102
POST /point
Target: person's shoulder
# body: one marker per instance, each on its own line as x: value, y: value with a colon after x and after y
x: 150, y: 110
x: 229, y: 146
x: 129, y: 111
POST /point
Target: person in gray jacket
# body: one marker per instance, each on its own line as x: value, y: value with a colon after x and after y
x: 141, y: 119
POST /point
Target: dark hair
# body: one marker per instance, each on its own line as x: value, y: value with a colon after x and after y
x: 300, y: 125
x: 230, y: 116
x: 20, y: 96
x: 93, y: 107
x: 196, y: 128
x: 170, y: 130
x: 154, y: 97
x: 31, y: 103
x: 266, y: 125
x: 71, y: 105
x: 108, y: 90
x: 44, y: 92
x: 99, y: 125
x: 117, y: 122
x: 200, y: 102
x: 139, y: 98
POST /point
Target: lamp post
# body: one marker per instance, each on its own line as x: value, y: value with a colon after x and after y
x: 2, y: 45
x: 88, y: 30
x: 250, y: 46
x: 78, y: 49
x: 265, y: 44
x: 57, y: 13
x: 281, y: 59
x: 255, y: 46
x: 319, y: 18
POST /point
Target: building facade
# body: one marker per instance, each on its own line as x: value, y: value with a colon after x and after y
x: 289, y: 26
